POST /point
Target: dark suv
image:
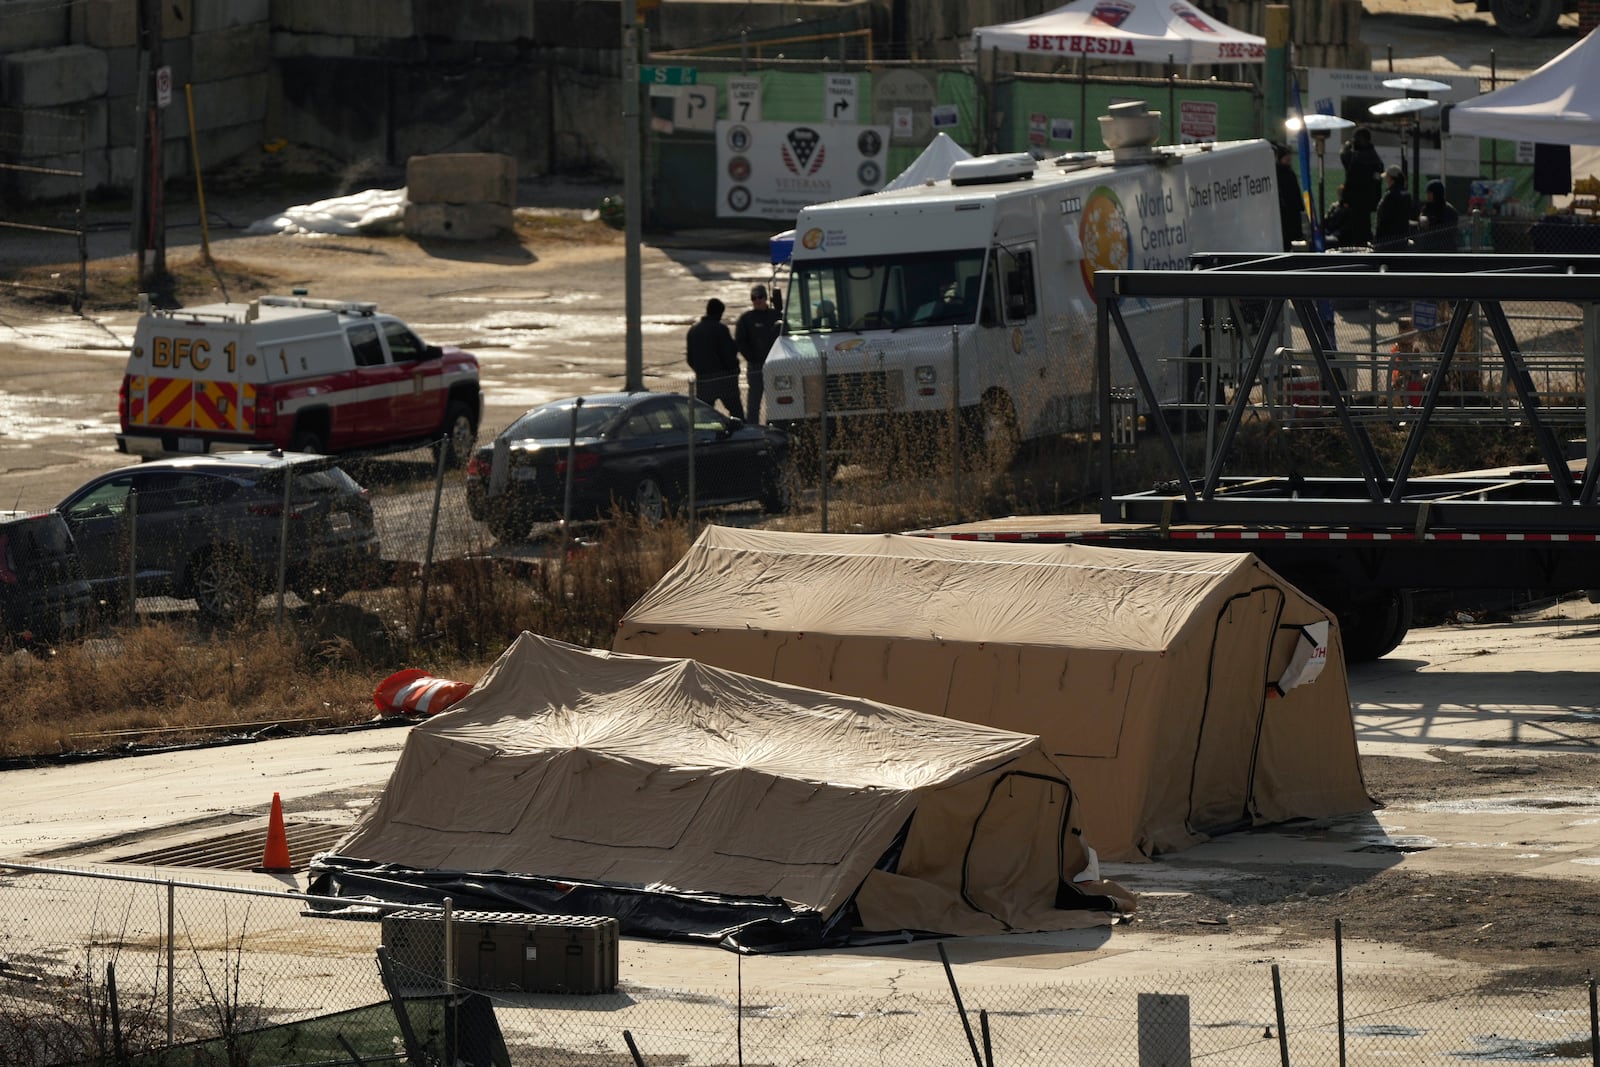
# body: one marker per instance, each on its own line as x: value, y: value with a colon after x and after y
x: 212, y: 528
x: 43, y: 594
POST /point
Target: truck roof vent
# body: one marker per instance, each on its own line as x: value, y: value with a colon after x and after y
x: 1130, y: 129
x: 990, y: 170
x: 1077, y: 161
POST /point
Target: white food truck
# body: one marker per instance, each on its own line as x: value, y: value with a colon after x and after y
x: 987, y: 278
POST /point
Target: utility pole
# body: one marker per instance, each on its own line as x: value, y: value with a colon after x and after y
x: 149, y: 237
x: 632, y: 199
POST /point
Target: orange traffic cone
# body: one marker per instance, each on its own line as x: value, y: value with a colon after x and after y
x: 416, y: 692
x: 275, y: 857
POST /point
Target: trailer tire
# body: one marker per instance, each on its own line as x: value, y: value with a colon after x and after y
x: 1374, y: 626
x: 1526, y: 18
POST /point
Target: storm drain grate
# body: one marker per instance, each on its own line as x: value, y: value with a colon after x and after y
x: 241, y: 850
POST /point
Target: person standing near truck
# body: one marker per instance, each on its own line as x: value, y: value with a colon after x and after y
x: 1395, y: 212
x: 1363, y: 175
x: 753, y: 335
x: 715, y: 360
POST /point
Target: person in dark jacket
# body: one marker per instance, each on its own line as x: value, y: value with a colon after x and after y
x: 1291, y: 209
x: 753, y: 335
x: 1437, y: 231
x: 715, y: 360
x: 1333, y: 223
x: 1363, y: 185
x: 1394, y: 214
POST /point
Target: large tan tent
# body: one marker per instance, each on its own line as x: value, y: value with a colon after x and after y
x: 1153, y: 678
x: 688, y: 799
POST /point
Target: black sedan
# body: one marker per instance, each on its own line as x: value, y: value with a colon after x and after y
x: 211, y: 527
x: 628, y: 451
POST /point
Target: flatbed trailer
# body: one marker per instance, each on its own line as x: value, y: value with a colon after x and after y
x: 1360, y: 544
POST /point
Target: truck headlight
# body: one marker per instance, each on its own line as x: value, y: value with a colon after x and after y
x: 926, y: 375
x: 783, y: 381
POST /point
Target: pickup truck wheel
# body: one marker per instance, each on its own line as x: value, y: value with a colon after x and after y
x: 460, y: 436
x: 223, y: 586
x: 1526, y: 18
x: 306, y: 441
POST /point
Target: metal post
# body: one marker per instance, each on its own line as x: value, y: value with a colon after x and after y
x: 283, y: 537
x: 566, y: 497
x: 694, y: 389
x: 433, y: 532
x: 1338, y: 979
x: 1277, y: 1001
x: 955, y: 417
x: 199, y: 186
x: 82, y: 213
x: 822, y: 440
x: 1594, y: 1026
x: 632, y: 198
x: 449, y: 945
x: 955, y: 992
x: 133, y: 556
x: 172, y: 936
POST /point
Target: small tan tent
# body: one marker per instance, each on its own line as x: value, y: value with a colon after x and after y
x: 677, y: 780
x: 1148, y: 675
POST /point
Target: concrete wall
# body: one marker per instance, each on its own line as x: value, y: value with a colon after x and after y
x: 374, y: 82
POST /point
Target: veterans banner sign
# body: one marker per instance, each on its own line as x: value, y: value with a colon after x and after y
x: 770, y: 170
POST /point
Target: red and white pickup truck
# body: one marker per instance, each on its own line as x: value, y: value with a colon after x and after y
x: 295, y: 373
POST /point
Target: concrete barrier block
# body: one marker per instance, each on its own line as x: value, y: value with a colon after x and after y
x: 230, y: 101
x: 32, y: 133
x: 230, y: 53
x: 354, y: 18
x: 31, y: 186
x: 222, y: 146
x: 476, y: 20
x: 462, y: 178
x: 114, y: 23
x: 27, y: 25
x: 581, y: 20
x: 49, y: 77
x: 210, y: 15
x: 312, y: 45
x: 122, y: 120
x: 457, y: 222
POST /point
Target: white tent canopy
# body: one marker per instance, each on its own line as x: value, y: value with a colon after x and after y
x: 1556, y: 104
x: 1136, y: 31
x: 932, y: 165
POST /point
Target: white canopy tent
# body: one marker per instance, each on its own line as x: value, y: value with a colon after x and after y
x: 932, y: 165
x: 1556, y: 104
x: 1135, y: 31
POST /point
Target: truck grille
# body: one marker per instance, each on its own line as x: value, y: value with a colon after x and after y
x: 861, y: 391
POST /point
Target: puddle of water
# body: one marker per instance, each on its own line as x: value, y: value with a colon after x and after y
x: 71, y: 333
x: 1579, y: 803
x: 21, y: 417
x: 1383, y: 1030
x: 1520, y: 1050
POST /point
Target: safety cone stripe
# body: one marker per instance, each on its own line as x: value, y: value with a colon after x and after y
x: 418, y: 696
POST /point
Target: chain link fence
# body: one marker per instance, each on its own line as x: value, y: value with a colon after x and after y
x: 98, y: 968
